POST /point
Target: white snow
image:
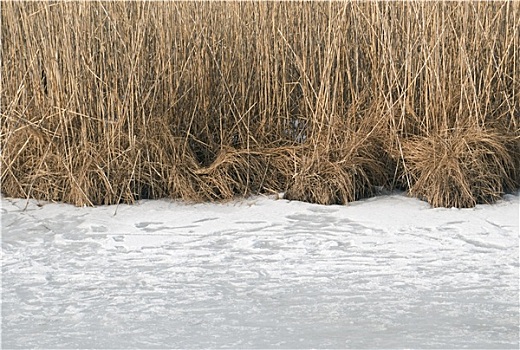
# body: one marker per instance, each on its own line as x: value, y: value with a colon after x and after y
x: 386, y: 272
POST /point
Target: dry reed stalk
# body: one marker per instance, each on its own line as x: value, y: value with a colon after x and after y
x: 109, y: 102
x: 241, y: 173
x: 460, y: 169
x: 352, y: 167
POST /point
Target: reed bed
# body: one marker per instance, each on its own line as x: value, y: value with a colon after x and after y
x: 110, y: 102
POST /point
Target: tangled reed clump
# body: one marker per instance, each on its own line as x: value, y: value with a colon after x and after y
x: 460, y: 167
x: 338, y: 176
x: 242, y: 172
x: 109, y: 102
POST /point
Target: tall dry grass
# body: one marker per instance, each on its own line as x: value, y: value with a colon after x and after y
x: 109, y: 102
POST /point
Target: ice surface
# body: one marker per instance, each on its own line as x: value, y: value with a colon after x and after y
x: 387, y: 272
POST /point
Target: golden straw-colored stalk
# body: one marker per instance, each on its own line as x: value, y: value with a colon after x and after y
x: 107, y: 102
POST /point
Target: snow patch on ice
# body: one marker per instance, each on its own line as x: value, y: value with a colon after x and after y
x: 388, y: 271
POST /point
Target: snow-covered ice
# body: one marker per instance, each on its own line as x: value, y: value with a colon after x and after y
x: 386, y: 272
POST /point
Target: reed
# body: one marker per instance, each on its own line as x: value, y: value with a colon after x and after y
x: 107, y: 102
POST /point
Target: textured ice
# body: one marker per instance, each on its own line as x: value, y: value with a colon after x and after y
x: 387, y: 272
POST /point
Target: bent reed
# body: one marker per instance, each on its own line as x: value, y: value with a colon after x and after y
x: 328, y: 102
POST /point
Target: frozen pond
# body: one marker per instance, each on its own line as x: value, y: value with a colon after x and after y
x: 387, y: 272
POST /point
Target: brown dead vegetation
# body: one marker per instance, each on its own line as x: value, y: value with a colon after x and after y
x: 109, y: 102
